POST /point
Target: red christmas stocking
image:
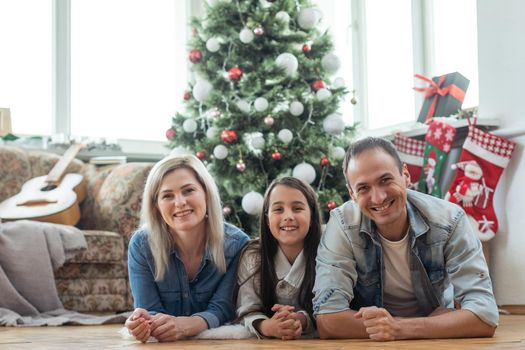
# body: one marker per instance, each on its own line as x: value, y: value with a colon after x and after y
x: 411, y: 152
x: 439, y: 140
x: 483, y: 159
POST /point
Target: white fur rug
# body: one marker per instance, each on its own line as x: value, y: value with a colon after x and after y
x: 234, y: 331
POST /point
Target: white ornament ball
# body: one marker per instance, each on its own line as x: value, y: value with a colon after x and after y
x: 246, y: 36
x: 334, y: 124
x: 288, y: 62
x: 260, y: 104
x: 331, y: 63
x: 213, y: 45
x: 252, y: 203
x: 296, y: 108
x: 189, y: 125
x: 339, y: 83
x: 338, y: 152
x: 258, y: 142
x: 211, y: 132
x: 220, y: 152
x: 202, y: 90
x: 285, y: 136
x: 282, y: 16
x: 307, y: 18
x: 304, y: 172
x: 243, y: 106
x: 179, y: 151
x: 323, y: 94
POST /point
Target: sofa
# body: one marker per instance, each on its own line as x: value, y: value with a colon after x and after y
x: 95, y: 280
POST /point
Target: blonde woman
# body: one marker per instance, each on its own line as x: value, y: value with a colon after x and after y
x: 182, y: 262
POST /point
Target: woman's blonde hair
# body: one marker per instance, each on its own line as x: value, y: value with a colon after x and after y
x: 160, y: 239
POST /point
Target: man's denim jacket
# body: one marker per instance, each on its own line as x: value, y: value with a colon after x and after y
x: 446, y: 261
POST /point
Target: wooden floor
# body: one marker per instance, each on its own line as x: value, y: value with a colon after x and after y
x: 509, y: 335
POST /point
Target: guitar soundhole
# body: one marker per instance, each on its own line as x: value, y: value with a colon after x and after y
x: 49, y: 187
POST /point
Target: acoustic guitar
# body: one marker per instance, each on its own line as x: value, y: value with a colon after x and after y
x: 52, y: 198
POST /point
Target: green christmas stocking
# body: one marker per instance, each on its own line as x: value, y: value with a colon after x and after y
x: 438, y: 142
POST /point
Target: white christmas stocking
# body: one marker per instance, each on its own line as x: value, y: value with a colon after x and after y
x: 483, y: 159
x: 411, y: 152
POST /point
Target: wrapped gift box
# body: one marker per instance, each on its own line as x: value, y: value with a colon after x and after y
x: 443, y: 97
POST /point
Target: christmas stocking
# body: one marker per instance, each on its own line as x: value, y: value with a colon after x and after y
x: 483, y: 159
x: 439, y: 140
x: 411, y: 152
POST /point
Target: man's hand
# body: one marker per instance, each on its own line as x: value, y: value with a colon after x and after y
x: 380, y: 325
x: 283, y: 324
x: 138, y: 324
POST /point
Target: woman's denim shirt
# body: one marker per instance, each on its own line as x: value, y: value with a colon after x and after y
x: 208, y: 295
x: 446, y: 261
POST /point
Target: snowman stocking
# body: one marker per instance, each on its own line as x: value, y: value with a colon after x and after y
x: 411, y: 152
x: 439, y: 140
x: 483, y: 159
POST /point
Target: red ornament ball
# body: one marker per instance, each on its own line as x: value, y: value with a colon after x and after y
x: 187, y: 95
x: 324, y: 161
x: 229, y: 136
x: 241, y: 166
x: 317, y: 84
x: 276, y: 155
x: 235, y: 73
x: 195, y: 56
x: 268, y: 121
x: 227, y: 210
x: 171, y: 133
x: 331, y: 205
x: 200, y: 154
x: 307, y: 48
x: 259, y: 31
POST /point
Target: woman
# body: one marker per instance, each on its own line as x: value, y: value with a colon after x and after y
x: 277, y: 272
x: 182, y: 262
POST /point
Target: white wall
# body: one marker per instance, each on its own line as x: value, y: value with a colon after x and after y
x: 501, y: 32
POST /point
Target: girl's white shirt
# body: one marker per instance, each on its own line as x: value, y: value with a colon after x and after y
x: 289, y: 276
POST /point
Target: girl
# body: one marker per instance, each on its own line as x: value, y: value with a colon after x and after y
x: 277, y: 271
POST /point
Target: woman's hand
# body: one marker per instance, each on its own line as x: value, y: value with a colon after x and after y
x: 283, y: 323
x: 167, y: 328
x: 138, y: 324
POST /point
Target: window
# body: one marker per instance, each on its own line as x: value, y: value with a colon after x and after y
x: 389, y: 66
x: 127, y: 67
x: 126, y: 61
x: 456, y: 44
x: 393, y: 40
x: 25, y: 64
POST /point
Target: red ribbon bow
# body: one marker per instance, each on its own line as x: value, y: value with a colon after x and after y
x: 435, y: 90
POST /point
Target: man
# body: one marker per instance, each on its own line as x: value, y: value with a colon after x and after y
x: 393, y: 262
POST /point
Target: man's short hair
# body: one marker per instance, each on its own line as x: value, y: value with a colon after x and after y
x: 369, y: 143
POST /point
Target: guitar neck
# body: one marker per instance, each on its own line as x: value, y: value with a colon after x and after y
x: 60, y: 167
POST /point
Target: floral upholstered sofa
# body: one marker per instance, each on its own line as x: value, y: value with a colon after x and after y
x: 96, y: 279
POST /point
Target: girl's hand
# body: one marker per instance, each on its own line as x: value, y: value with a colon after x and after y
x: 282, y: 324
x: 138, y: 324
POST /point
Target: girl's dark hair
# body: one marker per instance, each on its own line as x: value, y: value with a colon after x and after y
x: 268, y: 248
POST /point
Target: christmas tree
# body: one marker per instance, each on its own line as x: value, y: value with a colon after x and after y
x: 262, y: 104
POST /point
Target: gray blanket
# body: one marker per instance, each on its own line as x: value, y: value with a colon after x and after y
x: 29, y: 253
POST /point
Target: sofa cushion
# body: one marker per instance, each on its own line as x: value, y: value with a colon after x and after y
x: 97, y: 302
x: 89, y: 271
x: 115, y: 198
x: 83, y: 286
x: 15, y: 170
x: 102, y: 247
